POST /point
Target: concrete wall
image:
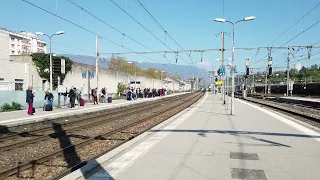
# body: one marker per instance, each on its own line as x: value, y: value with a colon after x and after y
x: 22, y: 67
x: 110, y: 79
x: 31, y: 76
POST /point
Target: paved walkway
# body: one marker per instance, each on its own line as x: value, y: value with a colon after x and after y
x: 205, y: 142
x: 21, y: 117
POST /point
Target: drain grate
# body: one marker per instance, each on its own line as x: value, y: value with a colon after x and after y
x: 244, y: 156
x: 248, y: 174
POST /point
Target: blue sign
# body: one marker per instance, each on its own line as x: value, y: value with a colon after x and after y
x: 84, y: 74
x: 91, y: 74
x: 221, y: 71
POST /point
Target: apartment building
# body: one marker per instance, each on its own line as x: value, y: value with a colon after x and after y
x: 13, y: 74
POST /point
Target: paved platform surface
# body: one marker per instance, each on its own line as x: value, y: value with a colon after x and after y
x: 21, y: 117
x: 205, y: 142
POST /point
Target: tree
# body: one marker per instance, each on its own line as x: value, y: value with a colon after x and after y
x: 42, y: 62
x: 121, y: 87
x: 121, y: 64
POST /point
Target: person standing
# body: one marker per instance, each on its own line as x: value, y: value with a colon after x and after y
x: 72, y: 96
x: 95, y: 96
x: 103, y: 95
x: 29, y: 100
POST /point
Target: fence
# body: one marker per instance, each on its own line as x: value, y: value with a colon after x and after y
x: 20, y: 97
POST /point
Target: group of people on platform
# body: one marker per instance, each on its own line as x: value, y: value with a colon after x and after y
x: 134, y: 94
x: 103, y: 95
x: 74, y: 94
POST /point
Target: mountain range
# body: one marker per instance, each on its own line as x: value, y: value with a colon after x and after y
x: 171, y: 69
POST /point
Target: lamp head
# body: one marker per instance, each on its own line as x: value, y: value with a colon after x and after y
x: 59, y: 32
x: 249, y: 18
x: 219, y: 20
x: 40, y: 33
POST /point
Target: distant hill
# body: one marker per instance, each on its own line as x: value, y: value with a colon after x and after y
x: 144, y: 65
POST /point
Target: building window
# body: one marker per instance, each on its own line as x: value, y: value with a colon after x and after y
x: 18, y: 84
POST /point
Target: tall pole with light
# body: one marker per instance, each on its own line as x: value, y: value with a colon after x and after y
x: 135, y: 72
x: 161, y: 72
x: 42, y: 34
x: 232, y: 72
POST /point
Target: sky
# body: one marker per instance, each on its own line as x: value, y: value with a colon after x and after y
x: 189, y: 22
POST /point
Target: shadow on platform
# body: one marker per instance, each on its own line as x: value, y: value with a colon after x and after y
x: 242, y: 134
x: 71, y: 156
x: 236, y: 132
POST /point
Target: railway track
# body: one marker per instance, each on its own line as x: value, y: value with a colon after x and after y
x: 74, y: 154
x: 19, y: 139
x: 308, y: 115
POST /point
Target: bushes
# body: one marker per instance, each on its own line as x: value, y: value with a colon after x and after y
x: 13, y: 107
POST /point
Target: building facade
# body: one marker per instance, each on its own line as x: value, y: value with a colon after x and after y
x: 21, y: 43
x: 14, y: 73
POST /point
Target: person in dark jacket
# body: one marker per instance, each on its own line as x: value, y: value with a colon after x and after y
x: 72, y: 96
x: 29, y: 100
x: 49, y: 97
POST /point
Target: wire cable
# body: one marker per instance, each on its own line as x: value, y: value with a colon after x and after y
x: 115, y: 29
x: 83, y: 28
x: 293, y: 26
x: 117, y: 5
x: 161, y: 27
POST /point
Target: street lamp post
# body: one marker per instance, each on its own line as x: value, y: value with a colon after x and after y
x: 42, y: 34
x: 232, y: 72
x: 135, y: 72
x: 161, y: 72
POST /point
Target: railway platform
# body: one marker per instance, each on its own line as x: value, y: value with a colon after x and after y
x: 14, y: 118
x: 314, y: 102
x: 205, y: 142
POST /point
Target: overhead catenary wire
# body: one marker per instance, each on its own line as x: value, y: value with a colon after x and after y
x: 162, y: 28
x: 90, y: 31
x: 293, y: 26
x: 305, y: 30
x: 117, y: 30
x: 294, y: 23
x: 210, y: 50
x: 118, y: 6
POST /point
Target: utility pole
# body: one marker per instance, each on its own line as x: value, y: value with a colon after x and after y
x: 266, y: 82
x: 252, y: 83
x: 59, y: 105
x: 222, y: 66
x: 88, y: 72
x: 288, y: 69
x: 97, y: 67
